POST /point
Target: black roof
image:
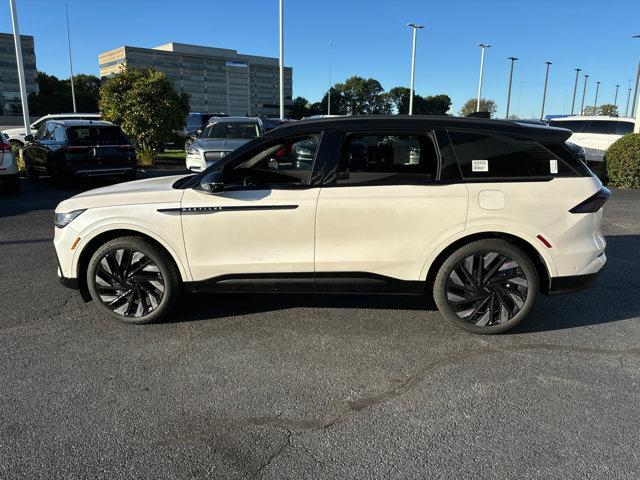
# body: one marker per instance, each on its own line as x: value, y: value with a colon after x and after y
x: 419, y: 122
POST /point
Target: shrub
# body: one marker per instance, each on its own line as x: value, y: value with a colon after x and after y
x: 17, y: 154
x: 623, y: 162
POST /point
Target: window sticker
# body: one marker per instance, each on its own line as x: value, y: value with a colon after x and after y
x: 479, y: 165
x: 553, y: 166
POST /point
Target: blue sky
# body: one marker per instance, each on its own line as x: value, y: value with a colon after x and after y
x: 370, y: 40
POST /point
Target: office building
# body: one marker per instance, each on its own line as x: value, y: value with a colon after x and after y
x: 10, y: 104
x: 218, y: 80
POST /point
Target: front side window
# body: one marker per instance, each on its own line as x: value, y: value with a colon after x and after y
x: 496, y: 156
x: 246, y: 130
x: 386, y: 159
x: 287, y: 163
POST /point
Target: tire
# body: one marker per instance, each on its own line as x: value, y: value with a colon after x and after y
x: 489, y: 300
x: 154, y: 289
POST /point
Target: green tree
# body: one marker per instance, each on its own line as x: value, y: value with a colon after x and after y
x: 55, y: 94
x: 607, y: 109
x: 145, y: 105
x: 300, y: 108
x: 486, y: 105
x: 431, y: 105
x: 399, y: 98
x: 363, y: 96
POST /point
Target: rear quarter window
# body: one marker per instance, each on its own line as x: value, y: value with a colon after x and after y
x: 497, y: 156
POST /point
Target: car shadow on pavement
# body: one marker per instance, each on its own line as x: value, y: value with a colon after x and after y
x: 615, y: 296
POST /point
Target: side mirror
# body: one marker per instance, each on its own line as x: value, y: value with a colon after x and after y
x: 28, y: 138
x: 212, y: 182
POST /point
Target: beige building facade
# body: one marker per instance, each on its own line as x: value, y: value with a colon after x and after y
x: 218, y: 80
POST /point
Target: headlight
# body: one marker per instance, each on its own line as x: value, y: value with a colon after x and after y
x: 192, y: 151
x: 64, y: 219
x: 213, y: 156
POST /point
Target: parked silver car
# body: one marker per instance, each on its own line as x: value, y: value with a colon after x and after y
x: 221, y: 136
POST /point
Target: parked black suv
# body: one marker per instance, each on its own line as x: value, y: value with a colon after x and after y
x: 80, y: 148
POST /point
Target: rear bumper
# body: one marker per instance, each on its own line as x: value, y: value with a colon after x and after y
x: 575, y: 283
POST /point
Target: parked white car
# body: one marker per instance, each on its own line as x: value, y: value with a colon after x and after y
x: 595, y: 134
x: 221, y: 136
x: 482, y: 213
x: 16, y: 135
x: 9, y: 180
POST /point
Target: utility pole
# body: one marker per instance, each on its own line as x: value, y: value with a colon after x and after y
x: 544, y: 95
x: 575, y: 90
x: 584, y: 92
x: 615, y: 99
x: 329, y: 94
x: 484, y: 47
x: 513, y: 60
x: 73, y: 90
x: 415, y: 28
x: 595, y: 101
x: 23, y: 86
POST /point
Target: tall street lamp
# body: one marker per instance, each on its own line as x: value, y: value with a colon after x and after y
x: 544, y: 95
x: 329, y: 94
x: 21, y: 81
x: 584, y: 93
x: 595, y: 100
x: 415, y: 28
x: 615, y: 98
x: 575, y: 89
x: 484, y: 47
x: 281, y: 66
x: 635, y: 95
x: 513, y: 60
x: 73, y: 91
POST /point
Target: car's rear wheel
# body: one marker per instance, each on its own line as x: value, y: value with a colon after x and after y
x: 487, y: 286
x: 133, y: 280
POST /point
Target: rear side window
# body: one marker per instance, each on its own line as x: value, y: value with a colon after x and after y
x: 602, y: 127
x: 386, y: 159
x: 497, y: 156
x: 96, y: 135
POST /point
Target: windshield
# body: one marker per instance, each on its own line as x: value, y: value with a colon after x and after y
x: 246, y: 130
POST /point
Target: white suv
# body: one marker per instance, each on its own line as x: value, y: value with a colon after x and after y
x: 482, y: 213
x: 9, y: 180
x: 595, y: 135
x: 15, y: 136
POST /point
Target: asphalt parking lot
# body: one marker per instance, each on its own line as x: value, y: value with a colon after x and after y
x: 313, y: 387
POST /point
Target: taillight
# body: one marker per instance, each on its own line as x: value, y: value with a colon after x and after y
x: 594, y: 202
x: 5, y: 147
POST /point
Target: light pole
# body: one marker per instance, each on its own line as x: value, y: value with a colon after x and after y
x: 484, y: 47
x: 575, y: 89
x: 415, y: 28
x: 615, y: 98
x: 595, y: 100
x: 329, y: 94
x: 544, y: 95
x: 513, y: 61
x: 635, y: 93
x: 73, y: 91
x: 281, y: 66
x: 23, y: 86
x: 584, y: 93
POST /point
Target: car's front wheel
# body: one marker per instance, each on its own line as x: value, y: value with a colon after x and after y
x: 487, y: 286
x: 133, y: 280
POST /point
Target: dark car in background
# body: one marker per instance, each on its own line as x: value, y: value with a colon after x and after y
x: 80, y: 148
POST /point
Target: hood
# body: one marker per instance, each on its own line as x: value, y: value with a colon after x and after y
x: 219, y: 144
x: 14, y: 131
x: 151, y: 190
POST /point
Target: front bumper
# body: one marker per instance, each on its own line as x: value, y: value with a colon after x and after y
x: 71, y: 283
